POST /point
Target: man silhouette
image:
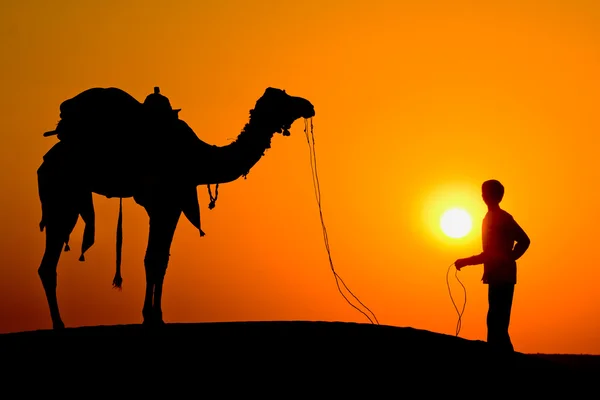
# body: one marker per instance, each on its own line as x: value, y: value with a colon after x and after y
x: 500, y: 231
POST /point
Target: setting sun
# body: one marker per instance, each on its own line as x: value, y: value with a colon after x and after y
x: 456, y: 223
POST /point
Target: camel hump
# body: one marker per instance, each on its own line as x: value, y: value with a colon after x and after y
x: 97, y: 110
x: 102, y: 110
x: 98, y: 101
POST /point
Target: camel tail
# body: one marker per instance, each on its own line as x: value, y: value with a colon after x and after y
x: 118, y: 280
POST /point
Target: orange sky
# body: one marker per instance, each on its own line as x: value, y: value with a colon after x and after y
x: 416, y: 106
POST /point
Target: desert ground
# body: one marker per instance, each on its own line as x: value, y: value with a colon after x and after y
x: 285, y: 358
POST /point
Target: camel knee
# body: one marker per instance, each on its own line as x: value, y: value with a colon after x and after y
x: 155, y: 276
x: 156, y: 267
x: 47, y: 275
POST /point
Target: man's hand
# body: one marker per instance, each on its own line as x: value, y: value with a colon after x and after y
x: 461, y: 262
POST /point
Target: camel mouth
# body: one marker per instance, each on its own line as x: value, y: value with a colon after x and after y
x: 309, y: 114
x: 303, y: 108
x: 308, y: 111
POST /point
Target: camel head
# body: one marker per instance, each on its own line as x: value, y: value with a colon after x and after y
x: 277, y: 110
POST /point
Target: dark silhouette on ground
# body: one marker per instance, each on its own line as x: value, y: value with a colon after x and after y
x: 113, y: 145
x: 504, y: 242
x: 285, y: 357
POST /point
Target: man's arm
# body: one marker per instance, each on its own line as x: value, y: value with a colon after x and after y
x: 473, y: 260
x: 522, y: 240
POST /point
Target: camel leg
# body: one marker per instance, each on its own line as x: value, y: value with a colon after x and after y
x: 60, y: 203
x: 56, y: 233
x: 162, y: 229
x: 47, y: 273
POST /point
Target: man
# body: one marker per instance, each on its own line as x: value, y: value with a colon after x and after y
x: 500, y: 231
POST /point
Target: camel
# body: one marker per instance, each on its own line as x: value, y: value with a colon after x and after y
x: 112, y: 145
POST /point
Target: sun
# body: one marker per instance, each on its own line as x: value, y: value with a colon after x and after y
x: 456, y: 223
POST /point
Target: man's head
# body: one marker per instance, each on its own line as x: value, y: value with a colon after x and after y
x: 492, y: 192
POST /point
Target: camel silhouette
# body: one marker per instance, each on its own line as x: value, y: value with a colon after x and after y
x: 115, y: 146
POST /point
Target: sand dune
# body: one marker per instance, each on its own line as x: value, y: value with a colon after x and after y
x: 291, y: 355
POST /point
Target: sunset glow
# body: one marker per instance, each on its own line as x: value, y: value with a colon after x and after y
x: 417, y: 103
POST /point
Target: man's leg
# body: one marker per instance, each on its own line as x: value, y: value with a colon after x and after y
x: 500, y: 298
x: 506, y: 295
x: 492, y: 316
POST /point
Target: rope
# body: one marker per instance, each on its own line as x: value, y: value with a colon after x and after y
x: 213, y: 199
x: 459, y: 322
x: 118, y: 280
x: 315, y: 177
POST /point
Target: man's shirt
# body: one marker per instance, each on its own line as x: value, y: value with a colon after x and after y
x: 499, y: 233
